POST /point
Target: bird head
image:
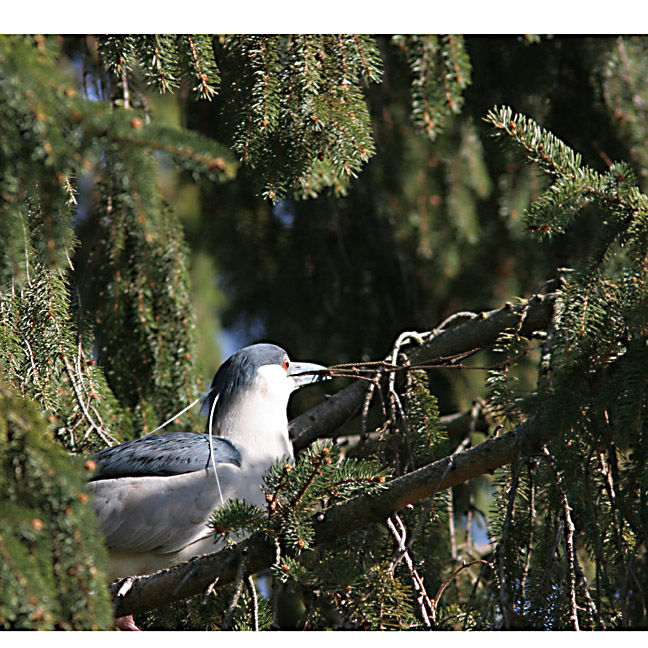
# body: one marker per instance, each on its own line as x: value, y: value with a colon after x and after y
x: 263, y: 370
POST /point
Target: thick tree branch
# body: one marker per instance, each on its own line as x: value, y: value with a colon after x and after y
x: 324, y: 420
x: 195, y: 576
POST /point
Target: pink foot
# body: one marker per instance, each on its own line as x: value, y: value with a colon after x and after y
x: 127, y: 623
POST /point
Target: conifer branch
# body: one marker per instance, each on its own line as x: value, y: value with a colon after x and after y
x: 204, y: 88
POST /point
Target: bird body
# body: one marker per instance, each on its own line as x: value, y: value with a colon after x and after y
x: 153, y: 496
x: 156, y: 523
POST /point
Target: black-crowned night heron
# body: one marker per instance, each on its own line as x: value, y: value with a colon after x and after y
x: 153, y: 496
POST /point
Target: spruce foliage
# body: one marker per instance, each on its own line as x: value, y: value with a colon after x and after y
x: 591, y: 399
x: 51, y: 549
x: 299, y: 118
x: 343, y: 188
x: 440, y: 72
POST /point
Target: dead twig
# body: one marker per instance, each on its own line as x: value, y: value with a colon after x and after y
x: 238, y: 588
x: 422, y: 597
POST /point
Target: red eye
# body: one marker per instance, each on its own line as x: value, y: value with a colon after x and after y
x: 286, y: 363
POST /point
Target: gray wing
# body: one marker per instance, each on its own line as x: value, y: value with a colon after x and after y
x: 156, y: 493
x: 161, y: 455
x: 159, y: 514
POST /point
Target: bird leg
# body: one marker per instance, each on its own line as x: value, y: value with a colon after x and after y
x: 126, y: 622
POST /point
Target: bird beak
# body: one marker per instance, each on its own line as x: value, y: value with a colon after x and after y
x: 301, y: 374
